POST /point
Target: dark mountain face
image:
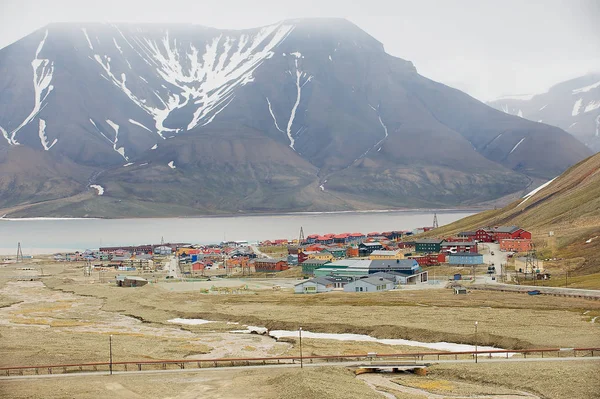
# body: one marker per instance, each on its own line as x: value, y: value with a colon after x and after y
x: 301, y: 115
x: 573, y: 105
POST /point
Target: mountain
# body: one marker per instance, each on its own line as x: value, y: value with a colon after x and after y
x: 303, y: 115
x: 573, y: 105
x: 568, y: 205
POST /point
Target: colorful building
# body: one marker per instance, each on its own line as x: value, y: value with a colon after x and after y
x: 465, y: 258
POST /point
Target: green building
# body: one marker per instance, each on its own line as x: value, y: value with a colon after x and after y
x: 309, y: 266
x: 428, y: 245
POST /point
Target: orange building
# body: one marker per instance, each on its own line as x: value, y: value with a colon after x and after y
x: 509, y: 244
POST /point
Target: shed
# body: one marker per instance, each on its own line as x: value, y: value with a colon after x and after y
x: 459, y: 290
x: 130, y: 281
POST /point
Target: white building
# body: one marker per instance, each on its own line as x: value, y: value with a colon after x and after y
x: 369, y: 284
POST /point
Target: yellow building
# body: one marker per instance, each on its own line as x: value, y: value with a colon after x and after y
x: 381, y: 255
x: 321, y: 256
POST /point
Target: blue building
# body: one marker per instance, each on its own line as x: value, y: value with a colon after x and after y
x: 465, y: 258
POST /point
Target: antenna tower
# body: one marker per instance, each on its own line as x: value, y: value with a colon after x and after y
x: 301, y: 236
x: 435, y: 221
x: 19, y: 253
x: 531, y: 262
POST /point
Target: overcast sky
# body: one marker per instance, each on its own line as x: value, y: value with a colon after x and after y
x: 486, y: 48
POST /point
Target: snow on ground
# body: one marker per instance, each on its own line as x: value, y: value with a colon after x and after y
x: 172, y: 165
x: 441, y: 346
x: 592, y: 106
x: 591, y: 239
x: 322, y: 187
x: 535, y: 191
x: 154, y: 147
x: 586, y: 88
x: 577, y: 107
x: 515, y: 147
x: 43, y: 137
x: 543, y: 107
x: 98, y: 188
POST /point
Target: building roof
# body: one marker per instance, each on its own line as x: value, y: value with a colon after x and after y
x: 465, y: 254
x: 429, y: 241
x: 269, y: 260
x: 382, y: 252
x: 458, y: 243
x: 375, y: 280
x: 121, y: 277
x: 393, y: 264
x: 317, y: 280
x: 315, y: 262
x: 503, y: 229
x: 466, y: 233
x: 371, y: 244
x: 389, y: 276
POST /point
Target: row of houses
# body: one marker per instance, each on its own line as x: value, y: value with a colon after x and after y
x: 375, y: 282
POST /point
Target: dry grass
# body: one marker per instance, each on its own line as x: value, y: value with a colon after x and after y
x: 546, y: 379
x: 308, y: 383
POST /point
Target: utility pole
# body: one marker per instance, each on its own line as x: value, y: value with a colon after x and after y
x: 475, y: 342
x: 435, y: 221
x: 110, y: 353
x: 300, y: 334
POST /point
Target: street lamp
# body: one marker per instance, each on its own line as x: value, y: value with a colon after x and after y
x: 475, y: 342
x: 110, y: 351
x: 300, y: 334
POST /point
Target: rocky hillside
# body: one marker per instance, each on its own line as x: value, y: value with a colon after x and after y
x: 569, y: 206
x: 300, y: 115
x: 573, y: 105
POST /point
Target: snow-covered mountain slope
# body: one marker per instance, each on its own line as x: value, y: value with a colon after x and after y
x: 573, y: 105
x: 146, y: 106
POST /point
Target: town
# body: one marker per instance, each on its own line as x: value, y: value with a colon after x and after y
x: 350, y: 262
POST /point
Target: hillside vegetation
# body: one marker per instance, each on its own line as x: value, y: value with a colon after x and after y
x: 569, y: 207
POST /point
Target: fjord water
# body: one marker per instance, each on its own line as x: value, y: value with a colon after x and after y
x: 46, y: 236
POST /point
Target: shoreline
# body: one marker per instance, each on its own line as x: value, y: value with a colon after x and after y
x: 258, y: 214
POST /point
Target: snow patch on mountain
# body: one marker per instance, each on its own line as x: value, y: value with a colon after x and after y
x: 99, y: 189
x: 577, y: 107
x: 515, y: 147
x: 299, y: 85
x: 273, y: 115
x: 154, y: 147
x: 533, y: 192
x: 586, y: 88
x: 204, y: 81
x: 120, y: 150
x: 172, y: 165
x: 87, y: 38
x: 43, y: 71
x: 134, y: 122
x: 598, y: 126
x: 43, y: 137
x: 592, y: 106
x: 524, y: 97
x: 543, y: 107
x: 520, y: 114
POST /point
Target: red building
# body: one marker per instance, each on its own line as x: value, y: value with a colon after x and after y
x: 270, y: 265
x: 429, y: 259
x: 497, y: 233
x: 515, y: 245
x: 459, y: 246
